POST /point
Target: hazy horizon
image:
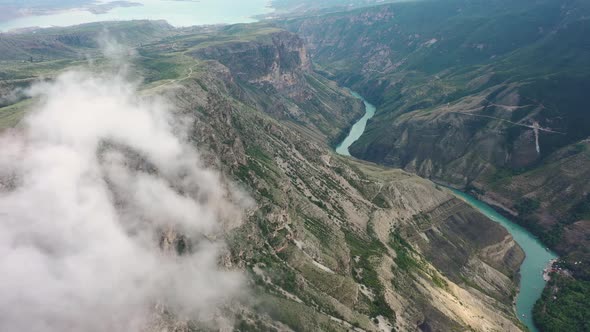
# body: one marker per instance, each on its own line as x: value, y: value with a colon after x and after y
x: 178, y: 13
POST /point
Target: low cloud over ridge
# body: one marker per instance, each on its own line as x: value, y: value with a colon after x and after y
x: 87, y: 187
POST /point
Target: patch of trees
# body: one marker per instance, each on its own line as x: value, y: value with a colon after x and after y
x: 564, y: 306
x: 527, y: 206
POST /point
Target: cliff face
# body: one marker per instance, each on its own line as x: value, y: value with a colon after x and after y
x: 282, y: 63
x: 275, y: 70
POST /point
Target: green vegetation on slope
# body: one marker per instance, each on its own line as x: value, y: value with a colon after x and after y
x: 564, y: 305
x: 369, y: 253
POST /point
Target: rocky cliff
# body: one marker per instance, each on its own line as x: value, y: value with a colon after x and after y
x: 274, y: 69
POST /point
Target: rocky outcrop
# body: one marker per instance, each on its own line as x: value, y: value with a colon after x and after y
x: 279, y: 60
x: 275, y: 71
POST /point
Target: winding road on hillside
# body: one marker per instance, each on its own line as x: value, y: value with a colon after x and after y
x: 176, y: 80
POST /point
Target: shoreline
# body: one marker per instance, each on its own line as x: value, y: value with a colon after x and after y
x: 548, y: 270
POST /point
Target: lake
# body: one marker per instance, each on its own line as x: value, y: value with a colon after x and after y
x: 177, y: 12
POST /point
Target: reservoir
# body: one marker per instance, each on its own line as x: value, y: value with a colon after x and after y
x: 178, y: 13
x: 537, y: 256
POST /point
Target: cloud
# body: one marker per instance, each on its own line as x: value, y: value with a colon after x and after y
x: 88, y: 186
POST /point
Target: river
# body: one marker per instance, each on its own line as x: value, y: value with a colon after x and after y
x: 537, y: 256
x: 358, y: 128
x: 177, y: 12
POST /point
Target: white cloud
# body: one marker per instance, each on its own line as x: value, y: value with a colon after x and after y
x: 86, y: 187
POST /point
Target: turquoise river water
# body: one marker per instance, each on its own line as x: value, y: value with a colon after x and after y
x: 358, y: 128
x: 537, y: 256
